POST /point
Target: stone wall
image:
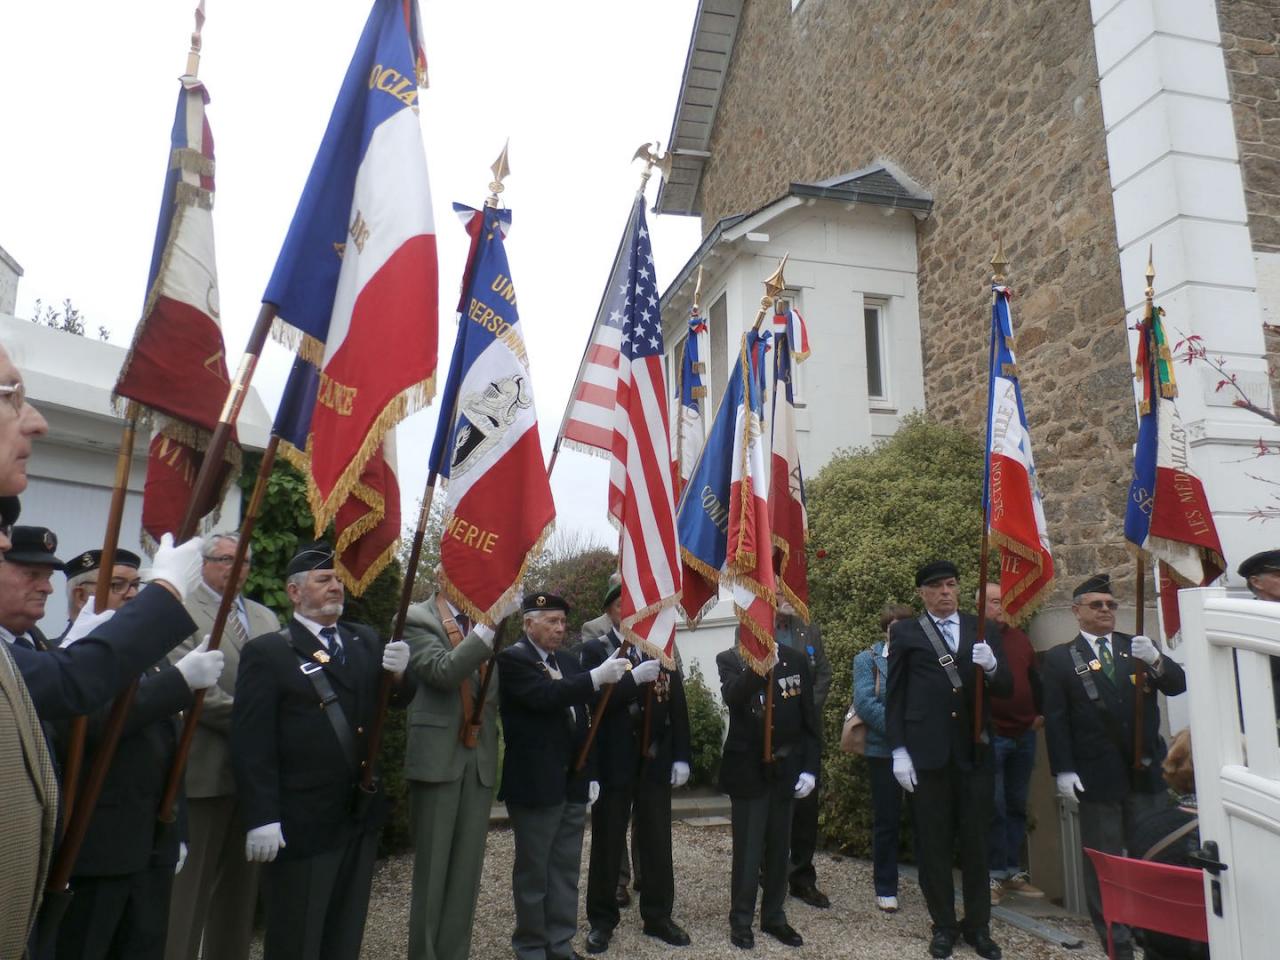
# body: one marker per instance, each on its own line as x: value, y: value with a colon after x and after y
x: 1250, y: 33
x: 993, y: 106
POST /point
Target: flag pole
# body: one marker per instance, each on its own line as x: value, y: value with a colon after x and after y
x: 169, y: 799
x: 998, y: 266
x: 1140, y: 572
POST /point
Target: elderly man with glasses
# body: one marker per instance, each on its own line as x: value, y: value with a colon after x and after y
x: 82, y: 581
x: 1089, y: 689
x: 215, y: 894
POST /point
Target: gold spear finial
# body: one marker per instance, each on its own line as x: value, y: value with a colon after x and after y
x: 1151, y: 272
x: 773, y: 286
x: 998, y: 263
x: 501, y: 169
x: 697, y: 294
x: 193, y: 55
x: 653, y: 157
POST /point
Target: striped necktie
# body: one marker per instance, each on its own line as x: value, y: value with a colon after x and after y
x: 336, y: 651
x: 1104, y: 657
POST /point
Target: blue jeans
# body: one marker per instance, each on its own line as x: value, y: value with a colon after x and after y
x: 886, y: 817
x: 1014, y: 756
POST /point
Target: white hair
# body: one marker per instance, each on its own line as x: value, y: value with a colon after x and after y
x: 208, y: 549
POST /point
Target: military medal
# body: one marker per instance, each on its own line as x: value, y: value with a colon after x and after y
x: 320, y: 657
x: 1094, y: 665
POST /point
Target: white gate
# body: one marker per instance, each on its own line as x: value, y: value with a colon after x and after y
x: 1237, y: 772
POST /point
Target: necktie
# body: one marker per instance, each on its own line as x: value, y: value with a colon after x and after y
x: 234, y: 624
x: 464, y: 623
x: 553, y: 668
x: 948, y: 633
x: 22, y: 640
x: 1105, y: 658
x: 336, y: 653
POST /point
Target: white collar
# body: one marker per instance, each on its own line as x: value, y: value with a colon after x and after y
x: 1094, y: 638
x: 8, y: 635
x: 314, y: 628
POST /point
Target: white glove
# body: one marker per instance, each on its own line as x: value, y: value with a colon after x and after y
x: 904, y: 771
x: 86, y: 623
x: 593, y: 792
x: 179, y: 566
x: 611, y: 671
x: 984, y: 657
x: 182, y: 858
x: 485, y: 633
x: 1069, y: 785
x: 202, y: 667
x: 805, y: 785
x: 679, y: 773
x: 262, y: 844
x: 395, y: 656
x: 1146, y: 651
x: 646, y: 672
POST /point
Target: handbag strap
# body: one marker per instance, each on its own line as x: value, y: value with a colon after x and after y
x: 313, y: 670
x: 1171, y: 838
x: 945, y: 659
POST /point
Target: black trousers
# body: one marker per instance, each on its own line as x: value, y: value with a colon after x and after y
x: 317, y: 905
x: 804, y: 837
x: 647, y: 807
x: 761, y: 837
x: 952, y: 808
x: 124, y: 917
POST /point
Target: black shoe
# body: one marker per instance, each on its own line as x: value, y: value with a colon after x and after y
x: 941, y: 944
x: 669, y: 931
x: 983, y: 945
x: 622, y: 896
x: 743, y: 939
x: 812, y: 896
x: 784, y: 933
x: 598, y: 940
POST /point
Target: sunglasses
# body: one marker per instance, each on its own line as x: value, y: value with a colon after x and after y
x: 1103, y: 605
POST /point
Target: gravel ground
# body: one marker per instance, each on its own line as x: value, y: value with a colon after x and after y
x: 853, y: 927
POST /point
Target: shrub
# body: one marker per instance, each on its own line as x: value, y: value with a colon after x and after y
x: 706, y: 729
x: 875, y: 515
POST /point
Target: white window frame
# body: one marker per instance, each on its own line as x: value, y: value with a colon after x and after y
x: 884, y: 400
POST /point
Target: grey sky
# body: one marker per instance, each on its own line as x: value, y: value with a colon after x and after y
x: 89, y: 91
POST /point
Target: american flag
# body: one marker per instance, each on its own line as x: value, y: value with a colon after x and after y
x: 619, y: 407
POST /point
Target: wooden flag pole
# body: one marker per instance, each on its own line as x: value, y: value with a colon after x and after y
x: 979, y: 676
x: 206, y: 481
x: 598, y: 712
x: 768, y: 716
x: 1139, y: 667
x: 169, y: 799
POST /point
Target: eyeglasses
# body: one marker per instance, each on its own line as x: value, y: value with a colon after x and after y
x: 15, y: 395
x: 1103, y: 605
x: 225, y: 558
x: 121, y: 586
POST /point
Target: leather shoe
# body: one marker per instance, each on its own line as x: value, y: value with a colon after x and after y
x: 812, y: 896
x: 941, y: 944
x: 622, y: 896
x: 668, y: 931
x: 598, y: 940
x: 784, y: 933
x: 983, y: 945
x: 743, y: 939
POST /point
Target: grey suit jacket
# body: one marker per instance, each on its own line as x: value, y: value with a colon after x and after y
x: 209, y: 771
x: 433, y: 753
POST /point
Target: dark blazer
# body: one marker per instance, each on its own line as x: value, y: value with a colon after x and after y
x: 806, y: 637
x: 542, y: 739
x: 796, y: 744
x: 289, y: 765
x: 618, y: 755
x: 69, y: 681
x: 923, y: 712
x: 1085, y: 738
x: 124, y: 836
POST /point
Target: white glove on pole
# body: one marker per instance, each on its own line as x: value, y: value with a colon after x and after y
x: 646, y: 672
x: 202, y: 667
x: 262, y: 844
x: 904, y: 771
x: 1069, y: 785
x: 984, y: 657
x: 178, y: 566
x: 1144, y: 649
x: 485, y: 633
x: 86, y: 623
x: 611, y: 671
x: 805, y: 785
x: 679, y: 773
x: 593, y: 792
x: 182, y: 858
x: 395, y: 656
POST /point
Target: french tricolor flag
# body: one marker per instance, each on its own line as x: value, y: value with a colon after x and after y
x: 355, y: 286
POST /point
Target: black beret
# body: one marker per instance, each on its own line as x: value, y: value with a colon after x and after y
x: 92, y: 560
x: 542, y: 600
x: 1267, y: 560
x: 612, y: 594
x: 33, y: 546
x: 311, y: 556
x: 10, y: 508
x: 1098, y: 583
x: 936, y: 570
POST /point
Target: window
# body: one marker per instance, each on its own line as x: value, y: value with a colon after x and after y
x: 877, y: 369
x: 718, y: 322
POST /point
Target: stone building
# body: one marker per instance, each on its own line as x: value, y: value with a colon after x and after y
x: 1079, y: 135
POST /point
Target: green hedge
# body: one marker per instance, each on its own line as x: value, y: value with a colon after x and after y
x: 875, y: 515
x: 706, y: 729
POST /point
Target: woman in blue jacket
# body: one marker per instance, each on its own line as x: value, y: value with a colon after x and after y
x: 870, y: 678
